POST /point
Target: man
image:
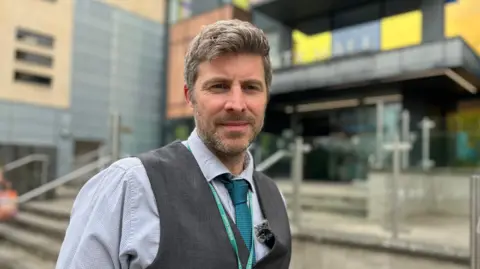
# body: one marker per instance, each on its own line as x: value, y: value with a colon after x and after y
x: 196, y: 203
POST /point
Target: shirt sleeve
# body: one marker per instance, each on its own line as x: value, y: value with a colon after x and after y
x: 105, y: 221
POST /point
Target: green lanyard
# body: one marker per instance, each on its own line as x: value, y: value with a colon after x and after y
x: 228, y: 227
x: 226, y: 223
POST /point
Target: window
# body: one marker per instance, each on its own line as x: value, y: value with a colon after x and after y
x: 34, y: 38
x: 275, y: 52
x: 179, y: 9
x: 33, y: 58
x: 26, y: 77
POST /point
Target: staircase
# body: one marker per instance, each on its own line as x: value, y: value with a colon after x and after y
x: 33, y: 239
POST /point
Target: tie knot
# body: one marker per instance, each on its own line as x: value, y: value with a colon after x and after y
x: 238, y: 190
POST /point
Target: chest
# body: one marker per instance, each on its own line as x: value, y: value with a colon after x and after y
x: 192, y: 231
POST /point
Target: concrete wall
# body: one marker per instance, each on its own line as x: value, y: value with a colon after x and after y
x: 433, y: 20
x: 117, y: 66
x: 51, y: 19
x: 419, y: 194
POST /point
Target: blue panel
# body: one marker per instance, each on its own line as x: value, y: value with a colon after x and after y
x: 356, y: 39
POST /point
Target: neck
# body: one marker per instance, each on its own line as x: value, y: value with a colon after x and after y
x: 234, y: 163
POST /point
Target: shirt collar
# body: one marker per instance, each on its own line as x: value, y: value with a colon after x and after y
x: 210, y: 165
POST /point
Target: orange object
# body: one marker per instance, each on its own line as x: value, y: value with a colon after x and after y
x: 8, y: 204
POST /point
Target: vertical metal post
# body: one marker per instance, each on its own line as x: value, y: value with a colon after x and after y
x: 296, y: 169
x: 379, y: 149
x: 426, y: 124
x: 394, y: 187
x: 44, y: 174
x: 297, y: 173
x: 474, y: 221
x: 44, y: 177
x: 396, y: 148
x: 115, y: 141
x: 405, y: 138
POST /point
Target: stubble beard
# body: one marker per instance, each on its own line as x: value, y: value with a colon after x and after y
x: 215, y: 143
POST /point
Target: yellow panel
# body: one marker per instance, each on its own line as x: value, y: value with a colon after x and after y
x: 401, y: 30
x: 243, y: 4
x: 461, y: 19
x: 308, y: 49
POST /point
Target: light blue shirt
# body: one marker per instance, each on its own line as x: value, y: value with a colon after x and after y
x: 115, y: 223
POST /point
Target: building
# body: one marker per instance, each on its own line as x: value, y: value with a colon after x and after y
x: 347, y: 69
x: 67, y: 66
x: 351, y: 67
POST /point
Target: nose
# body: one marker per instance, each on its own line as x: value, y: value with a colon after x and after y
x: 236, y: 100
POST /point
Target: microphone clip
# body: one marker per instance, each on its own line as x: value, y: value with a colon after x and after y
x: 264, y: 234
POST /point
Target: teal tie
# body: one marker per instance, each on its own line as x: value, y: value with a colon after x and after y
x: 238, y: 190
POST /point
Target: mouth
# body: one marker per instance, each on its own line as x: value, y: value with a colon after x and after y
x: 235, y: 126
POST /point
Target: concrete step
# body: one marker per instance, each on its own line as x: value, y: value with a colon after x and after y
x: 43, y: 246
x: 57, y: 209
x: 54, y: 228
x: 12, y: 257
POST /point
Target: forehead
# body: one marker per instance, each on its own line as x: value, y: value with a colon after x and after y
x: 233, y: 66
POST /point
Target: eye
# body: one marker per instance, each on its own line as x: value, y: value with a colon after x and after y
x: 252, y: 87
x: 220, y: 86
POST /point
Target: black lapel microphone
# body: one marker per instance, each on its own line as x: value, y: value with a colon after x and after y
x: 264, y: 234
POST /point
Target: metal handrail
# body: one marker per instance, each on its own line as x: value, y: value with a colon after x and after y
x: 88, y: 156
x: 273, y: 159
x: 25, y: 160
x: 63, y: 179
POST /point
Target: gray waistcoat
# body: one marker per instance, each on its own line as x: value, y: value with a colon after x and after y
x: 192, y: 232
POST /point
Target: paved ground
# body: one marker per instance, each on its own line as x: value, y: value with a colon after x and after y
x: 321, y: 256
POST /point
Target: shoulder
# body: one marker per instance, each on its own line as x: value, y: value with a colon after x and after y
x: 126, y: 169
x: 170, y: 156
x: 120, y: 176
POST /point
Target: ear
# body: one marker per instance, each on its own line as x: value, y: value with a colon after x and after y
x: 187, y: 95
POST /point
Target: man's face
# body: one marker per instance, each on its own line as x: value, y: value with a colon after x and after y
x: 229, y: 101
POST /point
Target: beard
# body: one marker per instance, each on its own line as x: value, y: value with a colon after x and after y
x: 227, y: 143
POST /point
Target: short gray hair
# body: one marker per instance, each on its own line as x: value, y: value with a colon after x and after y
x: 222, y: 37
